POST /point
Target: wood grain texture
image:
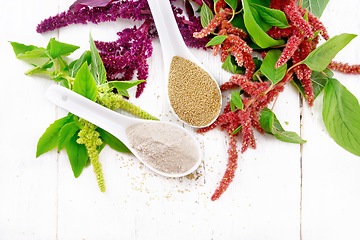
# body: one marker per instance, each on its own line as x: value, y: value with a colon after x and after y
x: 281, y: 190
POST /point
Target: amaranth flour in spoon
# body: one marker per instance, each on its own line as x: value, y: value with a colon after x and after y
x: 163, y: 146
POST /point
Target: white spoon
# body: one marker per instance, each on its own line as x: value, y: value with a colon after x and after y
x: 111, y: 121
x: 172, y: 43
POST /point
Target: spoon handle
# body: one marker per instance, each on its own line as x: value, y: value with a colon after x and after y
x: 102, y: 117
x: 167, y: 28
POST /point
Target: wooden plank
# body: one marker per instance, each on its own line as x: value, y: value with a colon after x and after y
x: 28, y: 185
x: 330, y: 174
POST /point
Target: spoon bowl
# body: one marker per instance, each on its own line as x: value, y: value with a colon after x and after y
x: 112, y: 122
x: 173, y: 45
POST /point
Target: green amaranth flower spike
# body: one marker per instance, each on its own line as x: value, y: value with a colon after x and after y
x: 114, y: 101
x: 91, y: 139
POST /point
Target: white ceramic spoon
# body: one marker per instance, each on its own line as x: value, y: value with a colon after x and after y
x: 109, y: 120
x: 171, y: 40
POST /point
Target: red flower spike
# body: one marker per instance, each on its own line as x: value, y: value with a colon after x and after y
x: 344, y: 67
x: 230, y: 170
x: 278, y: 33
x: 290, y: 48
x: 238, y: 55
x: 224, y: 51
x: 293, y: 13
x: 255, y: 120
x: 227, y: 86
x: 220, y: 5
x: 216, y: 49
x: 318, y: 26
x: 239, y: 42
x: 215, y: 22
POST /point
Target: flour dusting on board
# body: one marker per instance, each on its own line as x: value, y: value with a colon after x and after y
x: 163, y: 147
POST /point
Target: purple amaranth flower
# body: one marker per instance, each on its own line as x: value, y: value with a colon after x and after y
x: 131, y: 9
x: 129, y: 53
x: 123, y: 57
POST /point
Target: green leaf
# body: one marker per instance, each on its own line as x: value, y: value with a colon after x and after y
x: 289, y: 137
x: 76, y: 64
x: 321, y: 57
x: 237, y: 130
x: 97, y: 66
x: 112, y: 141
x: 84, y: 83
x: 232, y: 4
x: 316, y: 7
x: 341, y: 115
x: 271, y: 16
x: 230, y: 65
x: 124, y: 85
x: 271, y: 125
x: 236, y: 101
x: 216, y: 40
x: 77, y: 154
x: 206, y: 15
x: 66, y: 133
x: 275, y: 75
x: 256, y: 32
x: 57, y: 48
x: 50, y: 139
x: 23, y: 51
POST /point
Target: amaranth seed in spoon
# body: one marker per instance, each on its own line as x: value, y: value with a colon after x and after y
x: 193, y: 94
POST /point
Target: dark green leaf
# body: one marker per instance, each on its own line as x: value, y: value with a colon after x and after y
x: 97, y: 66
x: 316, y: 7
x: 216, y: 40
x: 206, y: 15
x: 84, y: 83
x: 341, y: 115
x: 76, y: 65
x: 238, y: 21
x: 232, y: 4
x: 275, y: 75
x: 271, y: 125
x: 271, y: 16
x: 66, y: 133
x: 56, y: 48
x: 112, y: 141
x: 236, y: 101
x: 23, y: 51
x: 50, y: 139
x: 77, y: 154
x: 230, y: 65
x: 264, y: 3
x: 256, y: 32
x: 321, y: 57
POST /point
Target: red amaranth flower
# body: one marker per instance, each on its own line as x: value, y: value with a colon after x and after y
x: 290, y: 48
x: 292, y: 11
x: 344, y: 67
x: 230, y: 169
x: 215, y: 22
x: 317, y: 25
x: 228, y: 85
